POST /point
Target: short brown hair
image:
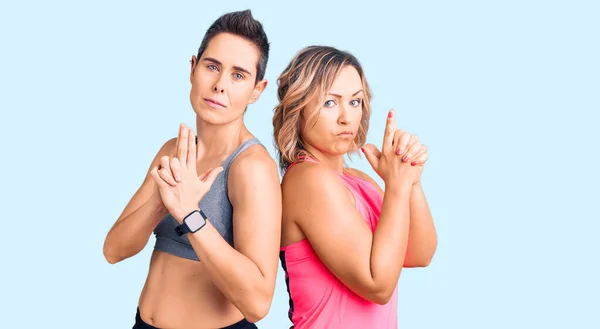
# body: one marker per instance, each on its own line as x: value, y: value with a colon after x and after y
x: 241, y: 24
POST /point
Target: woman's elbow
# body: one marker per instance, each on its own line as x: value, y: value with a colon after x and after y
x: 110, y: 258
x: 382, y: 294
x: 424, y: 262
x: 382, y: 297
x: 257, y: 306
x: 422, y: 259
x: 110, y: 255
x: 257, y: 312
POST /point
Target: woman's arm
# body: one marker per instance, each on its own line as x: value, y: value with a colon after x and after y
x: 368, y: 263
x: 422, y: 237
x: 132, y: 230
x: 246, y: 275
x: 422, y: 240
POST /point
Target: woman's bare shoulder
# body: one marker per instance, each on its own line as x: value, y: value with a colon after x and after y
x: 364, y: 176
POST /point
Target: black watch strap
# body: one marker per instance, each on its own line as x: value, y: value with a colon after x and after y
x: 184, y: 228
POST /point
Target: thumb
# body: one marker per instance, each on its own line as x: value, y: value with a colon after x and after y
x: 372, y: 154
x: 157, y: 179
x: 210, y: 175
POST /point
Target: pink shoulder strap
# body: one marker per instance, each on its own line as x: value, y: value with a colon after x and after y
x: 303, y: 159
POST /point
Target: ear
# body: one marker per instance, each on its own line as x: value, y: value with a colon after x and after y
x: 193, y: 64
x: 258, y: 89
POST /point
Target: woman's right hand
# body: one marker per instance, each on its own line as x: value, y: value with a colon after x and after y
x: 388, y: 163
x: 156, y: 198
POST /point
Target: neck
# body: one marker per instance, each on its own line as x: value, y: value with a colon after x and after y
x: 333, y: 162
x: 218, y: 140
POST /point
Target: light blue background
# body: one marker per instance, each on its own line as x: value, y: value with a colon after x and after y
x: 505, y: 94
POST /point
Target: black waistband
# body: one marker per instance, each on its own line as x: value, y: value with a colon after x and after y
x: 140, y: 324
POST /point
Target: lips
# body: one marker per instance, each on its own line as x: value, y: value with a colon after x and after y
x: 214, y: 104
x: 346, y: 133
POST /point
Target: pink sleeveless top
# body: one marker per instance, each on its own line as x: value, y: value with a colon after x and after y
x: 318, y: 300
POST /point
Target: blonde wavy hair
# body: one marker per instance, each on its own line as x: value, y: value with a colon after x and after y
x: 311, y: 74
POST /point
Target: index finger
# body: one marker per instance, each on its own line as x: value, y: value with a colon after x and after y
x: 191, y: 156
x: 177, y: 142
x: 182, y: 148
x: 390, y: 128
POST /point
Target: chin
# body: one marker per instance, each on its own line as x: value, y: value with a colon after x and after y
x: 214, y: 116
x: 339, y: 150
x: 209, y: 115
x: 344, y: 148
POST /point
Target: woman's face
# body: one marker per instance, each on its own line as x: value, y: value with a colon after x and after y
x: 331, y: 126
x: 223, y: 79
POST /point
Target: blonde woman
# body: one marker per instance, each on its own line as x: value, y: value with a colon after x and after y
x: 344, y: 239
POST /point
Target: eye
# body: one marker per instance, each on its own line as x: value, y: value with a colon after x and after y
x: 329, y: 103
x: 238, y: 76
x: 212, y: 67
x: 356, y: 102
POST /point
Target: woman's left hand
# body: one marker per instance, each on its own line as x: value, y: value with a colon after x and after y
x: 411, y: 150
x: 180, y: 187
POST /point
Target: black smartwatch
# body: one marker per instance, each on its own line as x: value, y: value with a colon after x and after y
x: 191, y: 223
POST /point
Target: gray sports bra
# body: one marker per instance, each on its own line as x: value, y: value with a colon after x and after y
x: 215, y: 205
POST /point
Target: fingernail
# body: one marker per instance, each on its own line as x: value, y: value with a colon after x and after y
x: 405, y: 158
x: 398, y: 151
x: 362, y: 149
x: 390, y: 113
x: 413, y: 163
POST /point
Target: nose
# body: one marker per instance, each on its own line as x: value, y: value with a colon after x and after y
x: 218, y: 87
x: 218, y: 90
x: 343, y: 118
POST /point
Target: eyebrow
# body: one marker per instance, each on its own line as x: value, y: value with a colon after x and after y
x: 336, y: 95
x: 237, y: 68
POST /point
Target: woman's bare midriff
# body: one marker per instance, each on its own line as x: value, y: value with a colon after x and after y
x: 178, y: 294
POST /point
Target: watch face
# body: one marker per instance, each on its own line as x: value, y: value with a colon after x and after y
x: 195, y: 221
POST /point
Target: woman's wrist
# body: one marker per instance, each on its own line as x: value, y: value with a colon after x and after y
x: 398, y: 189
